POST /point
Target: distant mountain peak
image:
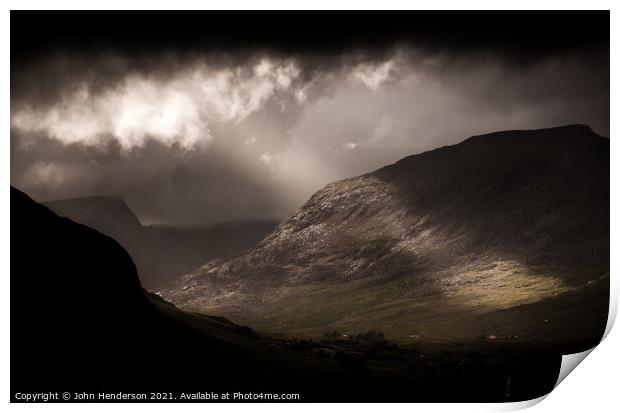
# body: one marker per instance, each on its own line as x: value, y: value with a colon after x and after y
x: 88, y: 209
x: 160, y: 253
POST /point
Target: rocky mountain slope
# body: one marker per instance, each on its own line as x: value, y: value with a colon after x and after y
x: 436, y: 246
x: 161, y: 253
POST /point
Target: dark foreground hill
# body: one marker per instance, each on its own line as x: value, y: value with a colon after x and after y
x: 80, y: 322
x: 501, y: 235
x: 161, y: 253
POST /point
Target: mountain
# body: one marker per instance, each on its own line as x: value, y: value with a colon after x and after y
x: 497, y: 234
x: 160, y: 253
x: 82, y: 324
x: 97, y: 212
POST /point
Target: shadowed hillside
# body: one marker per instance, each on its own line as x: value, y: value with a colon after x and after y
x: 80, y: 321
x: 451, y: 244
x: 161, y: 253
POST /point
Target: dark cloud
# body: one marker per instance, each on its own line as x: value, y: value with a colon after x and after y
x: 194, y: 124
x: 521, y: 34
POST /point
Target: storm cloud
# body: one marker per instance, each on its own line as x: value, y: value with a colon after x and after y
x: 198, y: 138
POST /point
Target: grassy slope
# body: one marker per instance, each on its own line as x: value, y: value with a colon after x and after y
x: 575, y: 314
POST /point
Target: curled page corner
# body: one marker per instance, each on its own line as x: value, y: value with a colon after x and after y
x: 569, y: 362
x: 522, y: 405
x: 614, y: 292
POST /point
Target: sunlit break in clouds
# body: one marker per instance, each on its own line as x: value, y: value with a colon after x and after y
x: 175, y: 111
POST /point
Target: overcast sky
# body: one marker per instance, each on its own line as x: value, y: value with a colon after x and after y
x: 203, y: 136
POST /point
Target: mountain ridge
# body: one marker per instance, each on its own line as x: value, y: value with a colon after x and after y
x: 523, y: 214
